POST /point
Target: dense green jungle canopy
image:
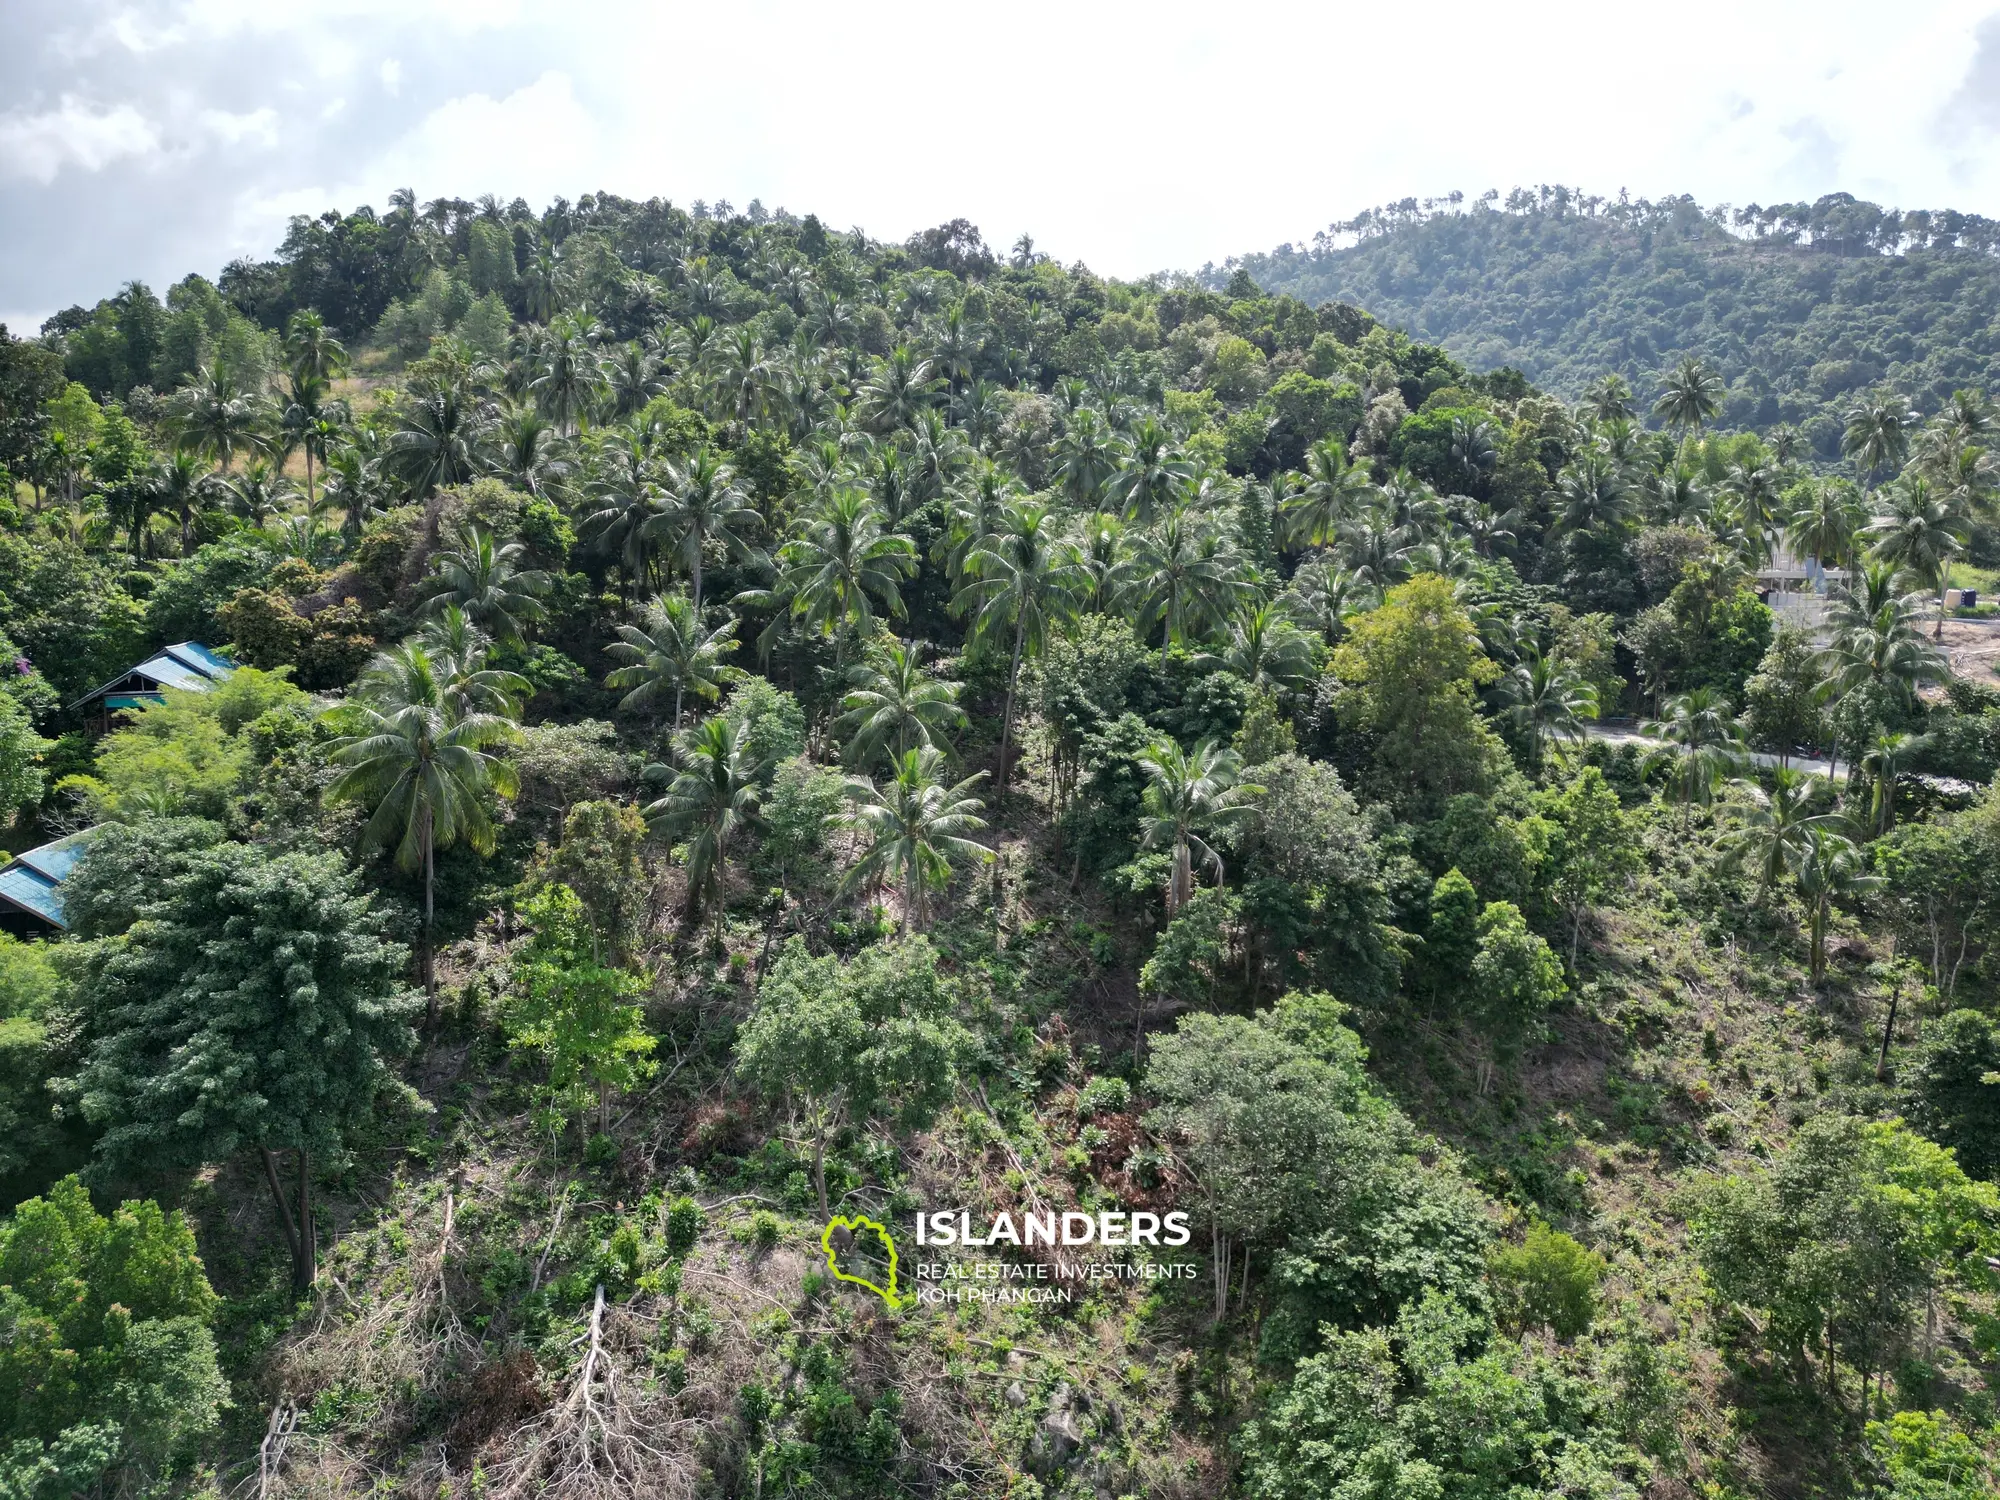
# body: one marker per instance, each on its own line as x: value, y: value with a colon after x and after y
x: 737, y: 728
x: 1800, y: 307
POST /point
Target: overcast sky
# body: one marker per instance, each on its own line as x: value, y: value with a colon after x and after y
x: 150, y: 140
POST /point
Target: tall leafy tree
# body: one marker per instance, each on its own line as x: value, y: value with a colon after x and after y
x: 1704, y: 746
x: 701, y: 504
x: 1690, y: 396
x: 571, y: 1003
x: 483, y: 576
x: 1918, y: 532
x: 854, y: 1040
x: 251, y: 1006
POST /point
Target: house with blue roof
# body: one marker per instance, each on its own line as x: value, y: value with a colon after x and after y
x: 189, y: 665
x: 31, y: 902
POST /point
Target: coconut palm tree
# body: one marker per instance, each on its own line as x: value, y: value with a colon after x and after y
x: 1182, y: 577
x: 1325, y: 596
x: 213, y: 416
x: 526, y: 451
x: 1690, y: 396
x: 1592, y: 495
x: 975, y: 512
x: 894, y: 705
x: 568, y: 374
x: 916, y: 829
x: 1189, y: 794
x: 485, y: 578
x: 901, y: 386
x: 1022, y: 580
x: 1677, y: 496
x: 311, y: 418
x: 259, y: 493
x: 1824, y: 524
x: 1547, y: 701
x: 843, y: 563
x: 1154, y: 476
x: 1266, y: 648
x: 1877, y: 434
x: 1754, y: 507
x: 1919, y: 532
x: 632, y: 377
x: 1828, y: 867
x: 1882, y: 762
x: 671, y: 652
x: 1333, y: 494
x: 1775, y: 823
x: 712, y: 797
x: 1088, y: 457
x: 702, y: 503
x: 457, y: 649
x: 442, y: 436
x: 1609, y: 399
x: 1704, y: 746
x: 425, y: 765
x: 623, y: 492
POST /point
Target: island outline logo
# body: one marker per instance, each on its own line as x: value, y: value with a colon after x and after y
x: 855, y: 1225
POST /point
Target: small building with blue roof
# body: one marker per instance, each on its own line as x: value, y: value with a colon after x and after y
x: 31, y: 903
x: 189, y: 665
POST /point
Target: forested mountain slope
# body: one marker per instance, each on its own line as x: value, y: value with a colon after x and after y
x: 1801, y: 307
x: 742, y: 736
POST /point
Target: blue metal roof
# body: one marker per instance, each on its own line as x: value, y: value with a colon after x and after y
x: 188, y: 665
x: 33, y: 879
x: 203, y: 660
x: 29, y: 891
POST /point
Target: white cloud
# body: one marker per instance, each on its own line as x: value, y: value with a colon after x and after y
x: 76, y: 133
x: 258, y: 125
x: 1131, y: 137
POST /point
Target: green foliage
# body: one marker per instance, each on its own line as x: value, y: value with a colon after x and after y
x: 21, y: 752
x: 1925, y: 1457
x: 598, y: 860
x: 67, y: 612
x: 107, y: 1366
x: 1796, y: 327
x: 1842, y: 1240
x: 1434, y: 1407
x: 1955, y: 1088
x: 569, y: 1005
x: 251, y: 1003
x: 773, y: 726
x: 187, y: 756
x: 1515, y: 975
x: 1548, y: 1281
x: 1407, y: 673
x: 871, y: 1036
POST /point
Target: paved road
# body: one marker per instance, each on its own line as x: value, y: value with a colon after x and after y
x: 1613, y: 735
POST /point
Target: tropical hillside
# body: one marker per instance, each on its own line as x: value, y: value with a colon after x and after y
x: 566, y: 764
x: 1799, y: 306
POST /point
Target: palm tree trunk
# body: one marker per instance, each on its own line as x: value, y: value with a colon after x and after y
x: 430, y: 941
x: 1013, y: 678
x: 285, y: 1220
x: 694, y: 579
x: 306, y: 1271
